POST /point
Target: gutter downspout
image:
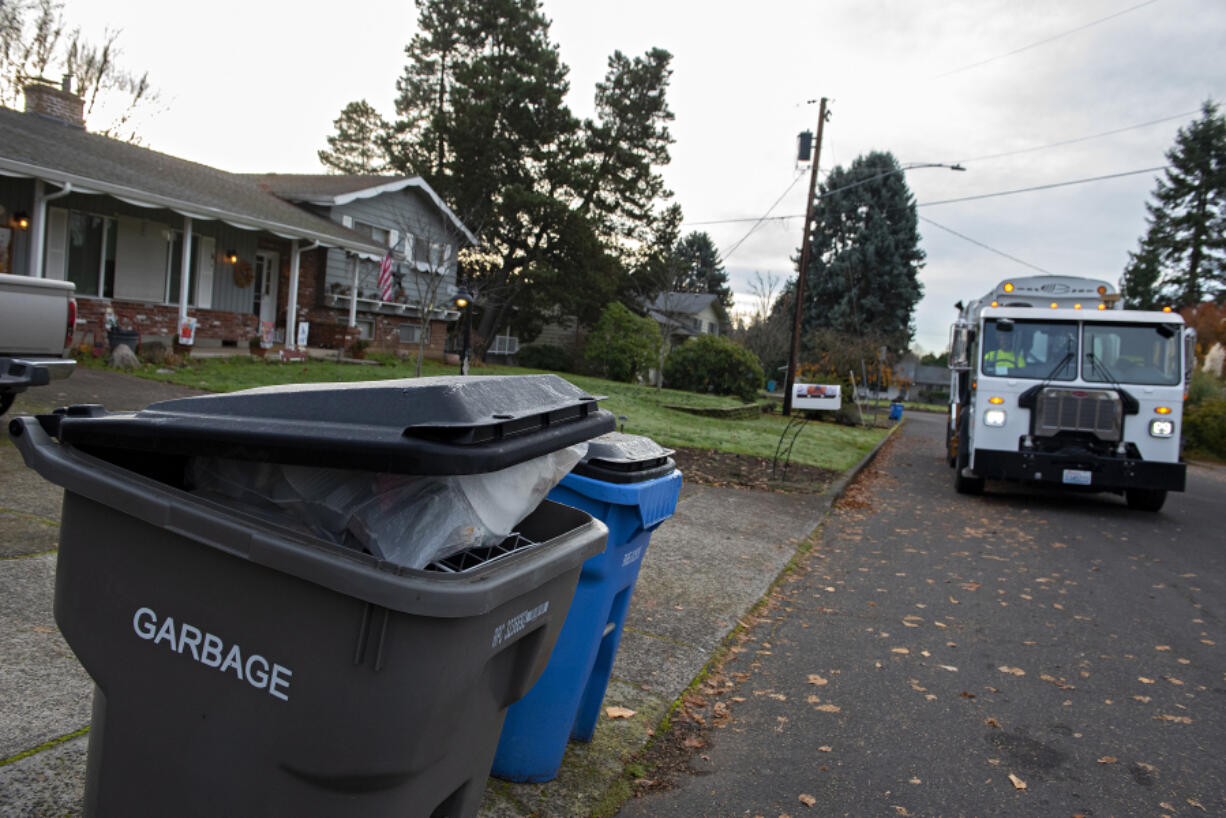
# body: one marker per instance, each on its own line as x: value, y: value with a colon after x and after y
x: 291, y: 309
x: 185, y: 271
x: 35, y: 265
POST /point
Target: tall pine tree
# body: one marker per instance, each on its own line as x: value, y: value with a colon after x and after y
x: 482, y: 116
x: 359, y: 144
x: 703, y: 268
x: 865, y: 258
x: 1182, y: 257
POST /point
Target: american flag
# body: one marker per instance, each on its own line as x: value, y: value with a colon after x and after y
x: 385, y: 277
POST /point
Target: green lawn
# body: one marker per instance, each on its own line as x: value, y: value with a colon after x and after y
x: 641, y: 409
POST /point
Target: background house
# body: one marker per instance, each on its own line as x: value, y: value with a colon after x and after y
x: 684, y: 315
x: 150, y: 239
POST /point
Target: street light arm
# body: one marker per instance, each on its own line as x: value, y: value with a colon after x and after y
x: 914, y: 166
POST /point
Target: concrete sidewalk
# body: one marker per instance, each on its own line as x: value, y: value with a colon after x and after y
x: 706, y: 567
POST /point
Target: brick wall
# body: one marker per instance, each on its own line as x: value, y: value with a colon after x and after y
x: 161, y: 321
x: 45, y: 98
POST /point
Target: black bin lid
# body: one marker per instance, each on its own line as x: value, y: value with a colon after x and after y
x: 620, y: 458
x: 437, y: 426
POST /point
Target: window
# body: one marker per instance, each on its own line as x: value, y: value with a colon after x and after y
x: 1145, y: 354
x: 90, y: 262
x: 1036, y: 350
x: 410, y: 333
x: 378, y: 234
x: 174, y: 266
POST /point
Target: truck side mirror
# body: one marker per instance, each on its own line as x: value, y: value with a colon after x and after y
x: 1189, y: 354
x: 960, y: 337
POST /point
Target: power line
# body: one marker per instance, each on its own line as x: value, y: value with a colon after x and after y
x: 1080, y: 138
x: 1043, y: 187
x: 986, y: 247
x: 725, y: 254
x: 1038, y: 43
x: 966, y: 198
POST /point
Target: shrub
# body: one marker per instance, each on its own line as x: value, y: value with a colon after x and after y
x: 545, y: 356
x: 709, y: 363
x: 622, y: 345
x: 1204, y: 386
x: 1204, y: 427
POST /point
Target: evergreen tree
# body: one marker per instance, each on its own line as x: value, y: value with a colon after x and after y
x: 1139, y: 286
x: 703, y: 269
x: 481, y: 115
x: 1182, y: 257
x: 865, y: 258
x: 358, y: 146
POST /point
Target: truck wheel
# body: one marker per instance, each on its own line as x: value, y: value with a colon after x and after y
x: 965, y: 485
x: 1145, y: 499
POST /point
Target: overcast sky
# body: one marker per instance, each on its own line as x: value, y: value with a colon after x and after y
x: 251, y: 87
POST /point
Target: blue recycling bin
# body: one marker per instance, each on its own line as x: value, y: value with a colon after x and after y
x: 631, y: 484
x: 895, y: 411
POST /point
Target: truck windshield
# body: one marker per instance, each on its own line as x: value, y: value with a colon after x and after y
x: 1037, y: 350
x: 1132, y: 353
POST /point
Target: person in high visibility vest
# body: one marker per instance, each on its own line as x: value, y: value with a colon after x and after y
x: 1003, y: 359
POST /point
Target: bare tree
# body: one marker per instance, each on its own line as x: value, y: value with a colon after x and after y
x: 427, y: 275
x: 36, y: 42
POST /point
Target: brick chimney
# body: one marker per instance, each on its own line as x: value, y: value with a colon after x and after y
x: 44, y: 97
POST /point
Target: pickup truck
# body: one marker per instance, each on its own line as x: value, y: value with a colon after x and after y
x: 37, y: 319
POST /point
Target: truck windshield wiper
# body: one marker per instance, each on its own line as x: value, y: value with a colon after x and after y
x: 1101, y: 367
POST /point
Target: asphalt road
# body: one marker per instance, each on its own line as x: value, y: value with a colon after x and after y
x: 1021, y: 653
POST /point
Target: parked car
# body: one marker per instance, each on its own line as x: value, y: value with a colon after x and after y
x: 37, y: 320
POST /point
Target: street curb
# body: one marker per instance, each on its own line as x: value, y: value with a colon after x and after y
x: 832, y: 495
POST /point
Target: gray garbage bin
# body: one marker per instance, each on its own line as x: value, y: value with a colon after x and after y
x: 245, y: 668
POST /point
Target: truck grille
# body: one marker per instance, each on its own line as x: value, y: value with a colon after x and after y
x: 1099, y: 413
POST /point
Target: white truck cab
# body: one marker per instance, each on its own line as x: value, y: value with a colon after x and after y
x: 1053, y: 383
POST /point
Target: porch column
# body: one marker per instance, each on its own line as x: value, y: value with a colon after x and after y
x: 291, y: 309
x: 353, y: 291
x: 38, y: 231
x: 185, y: 270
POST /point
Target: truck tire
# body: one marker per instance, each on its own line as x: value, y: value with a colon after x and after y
x: 1145, y: 499
x: 965, y: 485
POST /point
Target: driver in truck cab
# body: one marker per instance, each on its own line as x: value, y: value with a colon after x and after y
x: 1004, y: 357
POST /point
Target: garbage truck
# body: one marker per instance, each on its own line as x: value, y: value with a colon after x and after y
x: 1053, y: 382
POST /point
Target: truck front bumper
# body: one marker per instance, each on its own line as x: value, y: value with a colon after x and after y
x: 1080, y: 470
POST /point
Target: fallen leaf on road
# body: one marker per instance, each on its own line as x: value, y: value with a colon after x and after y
x: 1145, y: 681
x: 1012, y: 671
x: 815, y: 679
x: 616, y: 712
x: 829, y: 708
x: 1193, y: 802
x: 1162, y: 647
x: 779, y: 697
x: 806, y: 799
x: 967, y: 695
x: 43, y: 629
x: 694, y: 742
x: 992, y: 723
x: 1108, y: 760
x: 915, y: 781
x: 899, y: 650
x: 825, y: 749
x: 950, y: 668
x: 1173, y: 680
x: 1176, y: 719
x: 1144, y: 699
x: 1018, y: 784
x: 901, y: 811
x: 956, y: 602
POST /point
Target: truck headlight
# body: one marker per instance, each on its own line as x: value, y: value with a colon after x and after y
x: 996, y: 417
x: 1161, y: 428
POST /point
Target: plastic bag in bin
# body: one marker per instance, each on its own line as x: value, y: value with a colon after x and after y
x: 409, y: 520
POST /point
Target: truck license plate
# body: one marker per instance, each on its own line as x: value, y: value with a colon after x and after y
x: 1077, y: 477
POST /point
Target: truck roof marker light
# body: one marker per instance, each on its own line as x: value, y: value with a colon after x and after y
x: 1102, y: 290
x: 1076, y: 306
x: 1054, y: 305
x: 1166, y: 309
x: 1102, y: 306
x: 1008, y: 287
x: 998, y: 401
x: 1163, y: 410
x: 994, y: 304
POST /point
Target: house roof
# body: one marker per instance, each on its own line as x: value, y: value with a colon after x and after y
x: 32, y: 145
x: 333, y: 190
x: 685, y: 303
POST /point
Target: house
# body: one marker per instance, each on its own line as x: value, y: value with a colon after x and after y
x: 152, y: 240
x: 684, y: 315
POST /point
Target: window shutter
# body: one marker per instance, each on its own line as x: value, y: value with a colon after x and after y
x: 206, y: 261
x: 347, y: 221
x: 393, y: 239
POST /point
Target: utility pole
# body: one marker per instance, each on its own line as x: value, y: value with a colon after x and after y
x: 790, y: 380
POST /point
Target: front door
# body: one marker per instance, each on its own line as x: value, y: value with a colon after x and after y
x: 267, y: 272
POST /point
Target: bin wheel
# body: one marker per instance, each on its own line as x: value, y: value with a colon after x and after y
x: 1145, y: 499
